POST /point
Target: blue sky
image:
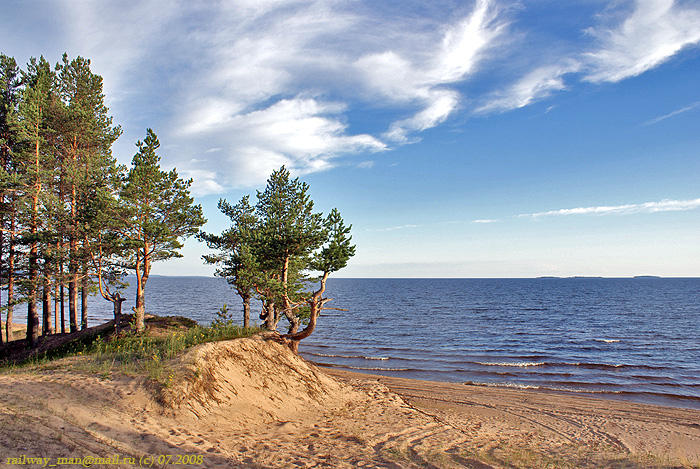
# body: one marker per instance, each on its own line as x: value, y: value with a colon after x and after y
x: 460, y: 138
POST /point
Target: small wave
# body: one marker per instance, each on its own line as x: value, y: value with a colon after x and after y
x: 502, y: 385
x: 370, y: 368
x: 330, y: 355
x: 682, y: 400
x: 516, y: 364
x: 608, y: 341
x: 592, y: 366
x: 609, y: 366
x: 596, y: 366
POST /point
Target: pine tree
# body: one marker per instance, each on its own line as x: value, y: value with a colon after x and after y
x: 283, y: 243
x: 289, y: 232
x: 158, y: 211
x: 86, y: 137
x: 236, y: 259
x: 106, y: 247
x: 9, y: 94
x: 34, y: 107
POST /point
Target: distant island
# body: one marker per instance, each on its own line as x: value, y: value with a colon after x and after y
x: 585, y: 276
x: 575, y: 276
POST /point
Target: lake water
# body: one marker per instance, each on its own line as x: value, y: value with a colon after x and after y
x: 635, y: 339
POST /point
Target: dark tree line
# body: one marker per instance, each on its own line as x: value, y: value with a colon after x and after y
x: 72, y: 221
x: 281, y: 252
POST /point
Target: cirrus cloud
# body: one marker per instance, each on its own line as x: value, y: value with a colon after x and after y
x: 278, y: 81
x: 653, y: 33
x: 627, y: 209
x: 630, y: 38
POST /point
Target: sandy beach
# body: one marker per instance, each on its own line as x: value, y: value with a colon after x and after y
x: 252, y: 403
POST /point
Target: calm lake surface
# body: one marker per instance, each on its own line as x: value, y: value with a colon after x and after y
x: 635, y: 339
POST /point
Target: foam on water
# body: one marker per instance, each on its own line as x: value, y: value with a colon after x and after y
x: 519, y: 365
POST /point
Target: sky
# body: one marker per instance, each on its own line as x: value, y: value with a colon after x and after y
x: 473, y: 138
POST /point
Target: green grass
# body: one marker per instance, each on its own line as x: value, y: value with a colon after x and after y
x: 137, y: 353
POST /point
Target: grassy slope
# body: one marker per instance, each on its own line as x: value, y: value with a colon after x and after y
x: 129, y: 352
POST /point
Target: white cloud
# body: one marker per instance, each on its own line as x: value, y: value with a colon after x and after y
x: 422, y: 81
x: 464, y: 43
x: 536, y: 85
x: 674, y: 113
x: 653, y: 33
x: 439, y: 106
x: 303, y: 134
x: 264, y: 104
x: 628, y: 44
x: 400, y: 227
x: 252, y: 164
x: 485, y: 221
x: 118, y: 39
x: 649, y: 207
x: 272, y: 66
x: 207, y: 181
x: 277, y: 81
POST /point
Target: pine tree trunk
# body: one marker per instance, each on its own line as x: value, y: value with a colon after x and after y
x: 32, y: 322
x: 56, y: 305
x: 10, y: 306
x: 10, y: 280
x: 84, y: 298
x: 315, y: 304
x: 286, y: 304
x: 2, y: 244
x: 269, y: 316
x: 83, y: 307
x: 118, y: 300
x: 140, y: 309
x: 47, y: 327
x: 72, y: 263
x: 246, y: 311
x: 32, y: 311
x: 142, y: 262
x: 63, y: 304
x: 72, y: 306
x: 294, y: 346
x: 72, y: 288
x: 60, y: 287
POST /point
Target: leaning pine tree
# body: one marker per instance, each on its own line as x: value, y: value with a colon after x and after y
x: 104, y: 244
x: 331, y: 256
x: 286, y: 244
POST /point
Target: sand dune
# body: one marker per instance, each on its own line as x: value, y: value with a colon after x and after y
x: 252, y: 403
